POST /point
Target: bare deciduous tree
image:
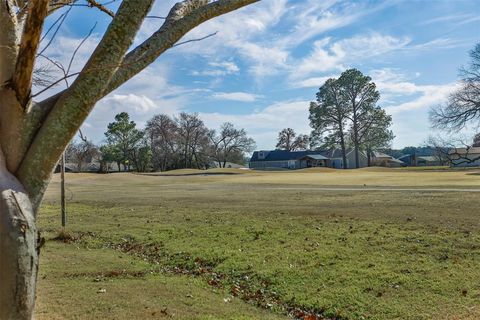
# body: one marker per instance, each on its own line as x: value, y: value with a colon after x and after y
x: 463, y: 105
x: 288, y: 140
x: 453, y: 150
x: 81, y: 153
x: 476, y: 140
x: 163, y: 132
x: 193, y: 139
x: 34, y: 134
x: 230, y: 144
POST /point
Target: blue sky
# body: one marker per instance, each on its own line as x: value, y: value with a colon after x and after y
x: 267, y: 61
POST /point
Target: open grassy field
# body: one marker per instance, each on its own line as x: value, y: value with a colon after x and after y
x: 339, y: 244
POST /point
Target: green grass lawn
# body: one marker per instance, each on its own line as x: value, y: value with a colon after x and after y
x: 264, y: 245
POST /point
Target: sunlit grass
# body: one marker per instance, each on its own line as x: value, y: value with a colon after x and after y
x: 373, y: 254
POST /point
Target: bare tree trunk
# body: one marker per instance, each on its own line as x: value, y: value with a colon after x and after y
x: 342, y: 145
x: 355, y: 140
x: 18, y: 249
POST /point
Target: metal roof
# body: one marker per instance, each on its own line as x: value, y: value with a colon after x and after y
x: 315, y: 157
x: 283, y: 155
x: 464, y: 151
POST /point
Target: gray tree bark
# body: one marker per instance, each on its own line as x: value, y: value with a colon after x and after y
x: 18, y: 249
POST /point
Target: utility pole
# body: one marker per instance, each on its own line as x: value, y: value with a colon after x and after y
x: 62, y: 191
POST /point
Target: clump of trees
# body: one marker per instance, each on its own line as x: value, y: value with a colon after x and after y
x: 345, y: 114
x: 166, y: 143
x: 186, y: 142
x: 229, y: 144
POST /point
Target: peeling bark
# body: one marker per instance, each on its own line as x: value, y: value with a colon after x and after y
x: 19, y: 256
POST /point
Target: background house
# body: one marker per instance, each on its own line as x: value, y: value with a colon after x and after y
x: 384, y: 160
x: 414, y: 160
x: 336, y: 158
x: 282, y: 159
x: 94, y: 166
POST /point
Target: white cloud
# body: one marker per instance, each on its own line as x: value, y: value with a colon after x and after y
x: 392, y: 83
x: 314, y: 82
x: 229, y: 66
x: 138, y: 104
x: 266, y: 52
x: 439, y: 43
x: 457, y: 19
x: 218, y: 69
x: 266, y: 60
x: 140, y: 108
x: 431, y: 95
x: 236, y: 96
x: 328, y: 56
x: 263, y: 125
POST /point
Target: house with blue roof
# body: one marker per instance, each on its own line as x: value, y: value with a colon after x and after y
x: 284, y: 159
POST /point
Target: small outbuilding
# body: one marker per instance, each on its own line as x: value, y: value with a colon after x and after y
x: 314, y: 160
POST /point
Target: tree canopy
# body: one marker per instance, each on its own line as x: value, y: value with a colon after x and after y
x: 345, y: 112
x: 123, y: 136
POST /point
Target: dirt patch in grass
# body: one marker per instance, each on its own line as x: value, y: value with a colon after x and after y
x: 248, y: 287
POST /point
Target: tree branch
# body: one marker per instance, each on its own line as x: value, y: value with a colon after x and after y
x: 22, y: 78
x: 54, y: 5
x: 75, y: 104
x: 60, y: 19
x: 101, y: 7
x: 182, y: 18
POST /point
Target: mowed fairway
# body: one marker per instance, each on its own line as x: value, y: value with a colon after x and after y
x: 344, y: 244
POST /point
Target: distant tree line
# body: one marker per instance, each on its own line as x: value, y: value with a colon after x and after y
x: 166, y: 143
